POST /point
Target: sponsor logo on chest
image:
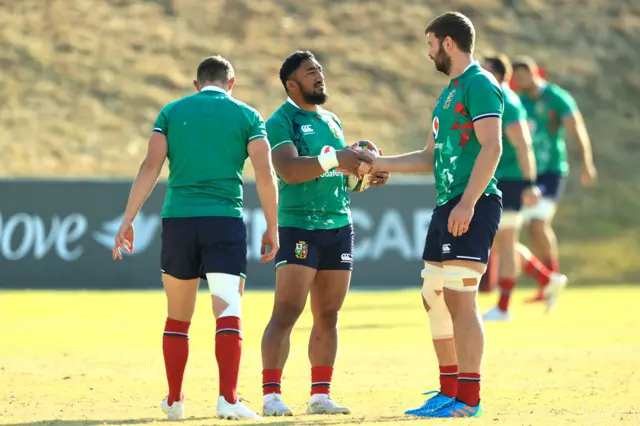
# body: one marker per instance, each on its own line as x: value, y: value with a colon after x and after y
x: 307, y: 129
x: 435, y: 126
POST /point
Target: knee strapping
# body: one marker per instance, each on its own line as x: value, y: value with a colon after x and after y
x: 439, y: 316
x: 227, y: 288
x: 459, y: 278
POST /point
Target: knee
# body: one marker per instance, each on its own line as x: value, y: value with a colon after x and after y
x: 462, y: 283
x: 432, y: 295
x: 327, y: 319
x: 285, y: 315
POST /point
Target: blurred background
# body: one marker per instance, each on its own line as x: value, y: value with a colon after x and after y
x: 81, y: 82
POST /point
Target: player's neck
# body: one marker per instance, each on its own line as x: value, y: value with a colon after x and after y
x: 536, y: 90
x: 459, y: 65
x: 213, y: 85
x: 302, y: 105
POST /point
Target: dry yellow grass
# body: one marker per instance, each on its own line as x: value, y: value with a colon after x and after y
x: 92, y: 358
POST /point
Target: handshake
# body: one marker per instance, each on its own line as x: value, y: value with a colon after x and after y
x: 360, y: 162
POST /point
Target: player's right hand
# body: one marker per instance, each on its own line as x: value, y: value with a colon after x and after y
x: 124, y: 239
x: 352, y: 161
x: 589, y: 175
x: 270, y: 245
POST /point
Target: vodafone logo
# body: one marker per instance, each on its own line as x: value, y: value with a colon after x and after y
x: 435, y: 126
x: 326, y: 149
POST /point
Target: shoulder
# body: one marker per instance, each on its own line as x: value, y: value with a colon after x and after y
x: 558, y: 93
x: 246, y: 110
x: 483, y: 78
x: 511, y: 98
x: 280, y: 119
x: 171, y: 105
x: 483, y: 83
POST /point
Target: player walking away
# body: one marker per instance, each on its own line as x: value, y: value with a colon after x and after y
x: 316, y: 232
x: 552, y: 111
x: 463, y: 151
x: 207, y: 138
x: 516, y: 174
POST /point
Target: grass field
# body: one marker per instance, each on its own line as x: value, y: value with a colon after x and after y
x: 91, y: 358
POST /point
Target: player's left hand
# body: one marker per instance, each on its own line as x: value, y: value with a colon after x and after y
x: 531, y: 196
x: 459, y: 219
x: 589, y: 175
x: 124, y: 239
x: 379, y: 178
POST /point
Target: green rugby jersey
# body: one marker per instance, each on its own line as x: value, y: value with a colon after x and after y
x: 322, y: 203
x: 509, y: 167
x: 545, y: 122
x: 472, y: 96
x: 207, y: 135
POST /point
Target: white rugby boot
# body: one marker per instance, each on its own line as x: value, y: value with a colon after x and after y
x: 496, y: 314
x: 321, y: 404
x: 235, y: 411
x: 173, y: 411
x: 557, y: 283
x: 274, y: 406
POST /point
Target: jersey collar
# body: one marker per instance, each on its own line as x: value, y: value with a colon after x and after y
x: 471, y: 65
x: 214, y: 89
x: 293, y: 104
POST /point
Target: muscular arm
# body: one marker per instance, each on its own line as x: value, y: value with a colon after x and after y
x: 413, y: 162
x: 488, y: 132
x: 147, y: 175
x: 577, y: 131
x: 519, y: 136
x: 260, y: 155
x: 293, y: 168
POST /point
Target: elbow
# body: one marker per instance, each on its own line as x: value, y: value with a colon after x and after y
x: 267, y: 176
x: 496, y: 149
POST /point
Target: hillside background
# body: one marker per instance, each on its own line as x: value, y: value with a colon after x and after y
x: 81, y: 82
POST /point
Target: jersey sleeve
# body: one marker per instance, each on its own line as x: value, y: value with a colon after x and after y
x: 513, y: 112
x: 279, y: 132
x: 564, y: 103
x: 484, y: 99
x: 257, y: 129
x: 161, y: 125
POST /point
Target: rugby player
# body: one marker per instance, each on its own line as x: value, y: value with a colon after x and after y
x: 516, y: 174
x: 552, y: 113
x: 316, y: 232
x: 462, y: 151
x: 207, y: 138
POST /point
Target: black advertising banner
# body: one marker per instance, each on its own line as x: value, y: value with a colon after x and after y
x: 58, y: 234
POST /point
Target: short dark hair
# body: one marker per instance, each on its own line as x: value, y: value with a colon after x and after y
x: 501, y: 65
x: 454, y: 25
x: 292, y: 63
x: 525, y: 63
x: 215, y: 68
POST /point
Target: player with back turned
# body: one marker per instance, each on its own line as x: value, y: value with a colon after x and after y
x: 462, y: 151
x: 207, y: 138
x: 316, y: 231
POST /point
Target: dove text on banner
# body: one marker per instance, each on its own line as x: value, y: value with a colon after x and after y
x: 58, y: 234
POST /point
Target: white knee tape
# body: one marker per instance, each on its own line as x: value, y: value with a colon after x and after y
x: 226, y: 287
x: 544, y: 210
x: 455, y: 278
x: 511, y: 220
x: 439, y: 316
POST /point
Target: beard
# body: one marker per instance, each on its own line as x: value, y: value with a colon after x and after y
x: 443, y: 61
x: 313, y: 98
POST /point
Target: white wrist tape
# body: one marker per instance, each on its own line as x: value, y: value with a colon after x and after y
x: 328, y: 160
